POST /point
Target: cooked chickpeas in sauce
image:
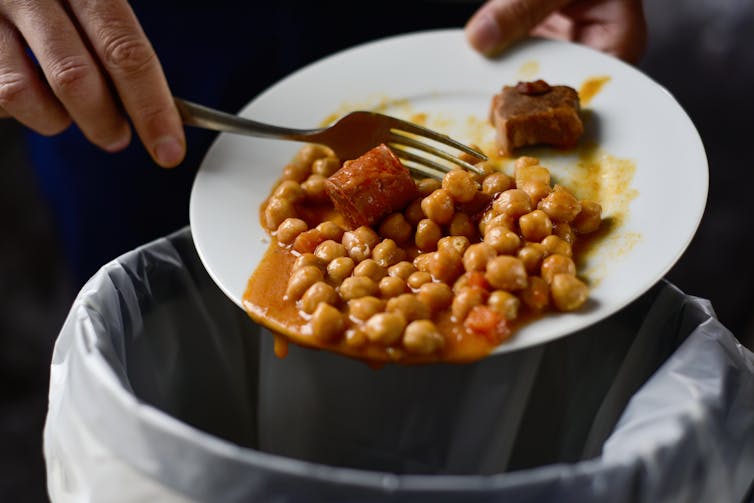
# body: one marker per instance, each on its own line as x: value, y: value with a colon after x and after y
x: 447, y: 276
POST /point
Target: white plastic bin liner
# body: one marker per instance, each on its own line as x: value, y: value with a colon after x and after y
x: 163, y: 390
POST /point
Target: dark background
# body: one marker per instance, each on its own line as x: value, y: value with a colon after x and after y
x: 702, y: 51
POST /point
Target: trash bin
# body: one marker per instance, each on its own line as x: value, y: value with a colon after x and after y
x: 163, y: 390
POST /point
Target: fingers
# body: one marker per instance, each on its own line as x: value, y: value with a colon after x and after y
x: 98, y: 66
x: 617, y: 27
x: 498, y: 23
x: 71, y: 72
x: 22, y: 94
x: 131, y: 63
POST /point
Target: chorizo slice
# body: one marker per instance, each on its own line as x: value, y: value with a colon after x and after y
x: 370, y: 187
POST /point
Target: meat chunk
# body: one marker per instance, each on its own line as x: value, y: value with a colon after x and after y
x: 370, y: 187
x: 535, y: 113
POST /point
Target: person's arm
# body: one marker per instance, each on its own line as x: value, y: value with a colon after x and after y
x: 97, y: 68
x: 613, y: 26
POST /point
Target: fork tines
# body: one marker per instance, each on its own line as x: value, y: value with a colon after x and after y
x: 422, y: 164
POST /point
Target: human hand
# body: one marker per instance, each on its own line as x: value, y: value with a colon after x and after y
x: 97, y: 67
x: 613, y: 26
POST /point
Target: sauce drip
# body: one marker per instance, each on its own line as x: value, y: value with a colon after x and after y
x: 591, y: 87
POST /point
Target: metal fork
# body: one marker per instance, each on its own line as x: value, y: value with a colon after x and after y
x: 349, y: 137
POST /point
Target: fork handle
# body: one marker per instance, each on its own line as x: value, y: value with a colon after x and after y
x: 197, y: 115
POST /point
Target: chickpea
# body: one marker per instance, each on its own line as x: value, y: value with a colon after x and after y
x: 423, y: 338
x: 504, y: 303
x: 296, y: 171
x: 536, y: 295
x: 371, y: 269
x: 329, y: 250
x: 506, y: 273
x: 504, y: 241
x: 461, y: 185
x: 555, y: 245
x: 306, y: 259
x: 360, y: 242
x: 512, y: 202
x: 472, y: 159
x: 311, y: 152
x: 456, y: 243
x: 426, y: 186
x: 477, y: 255
x: 535, y: 225
x: 355, y: 287
x: 421, y: 262
x: 290, y: 190
x: 525, y: 161
x: 438, y: 206
x: 568, y: 292
x: 531, y: 173
x: 536, y: 191
x: 401, y: 270
x: 465, y: 299
x: 307, y: 241
x: 396, y: 227
x: 589, y: 218
x: 326, y: 166
x: 318, y: 292
x: 390, y: 286
x: 462, y: 282
x: 486, y: 168
x: 427, y: 235
x: 414, y: 213
x: 301, y: 280
x: 490, y: 220
x: 410, y: 306
x: 532, y: 255
x: 289, y: 229
x: 355, y: 338
x: 565, y: 232
x: 462, y: 226
x: 276, y: 211
x: 339, y: 269
x: 314, y: 186
x: 437, y: 296
x: 385, y: 328
x: 327, y: 324
x: 446, y: 265
x: 496, y: 182
x: 557, y: 264
x: 330, y: 230
x: 388, y: 253
x: 560, y: 205
x: 364, y: 308
x: 417, y: 279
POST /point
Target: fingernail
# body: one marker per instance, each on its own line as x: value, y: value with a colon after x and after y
x: 119, y: 145
x: 168, y: 151
x: 124, y: 138
x: 484, y: 33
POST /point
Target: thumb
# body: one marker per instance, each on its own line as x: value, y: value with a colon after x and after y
x: 498, y: 23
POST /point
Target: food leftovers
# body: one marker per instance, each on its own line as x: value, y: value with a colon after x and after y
x: 368, y: 262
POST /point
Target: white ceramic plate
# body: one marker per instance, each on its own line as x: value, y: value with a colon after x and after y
x: 656, y: 208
